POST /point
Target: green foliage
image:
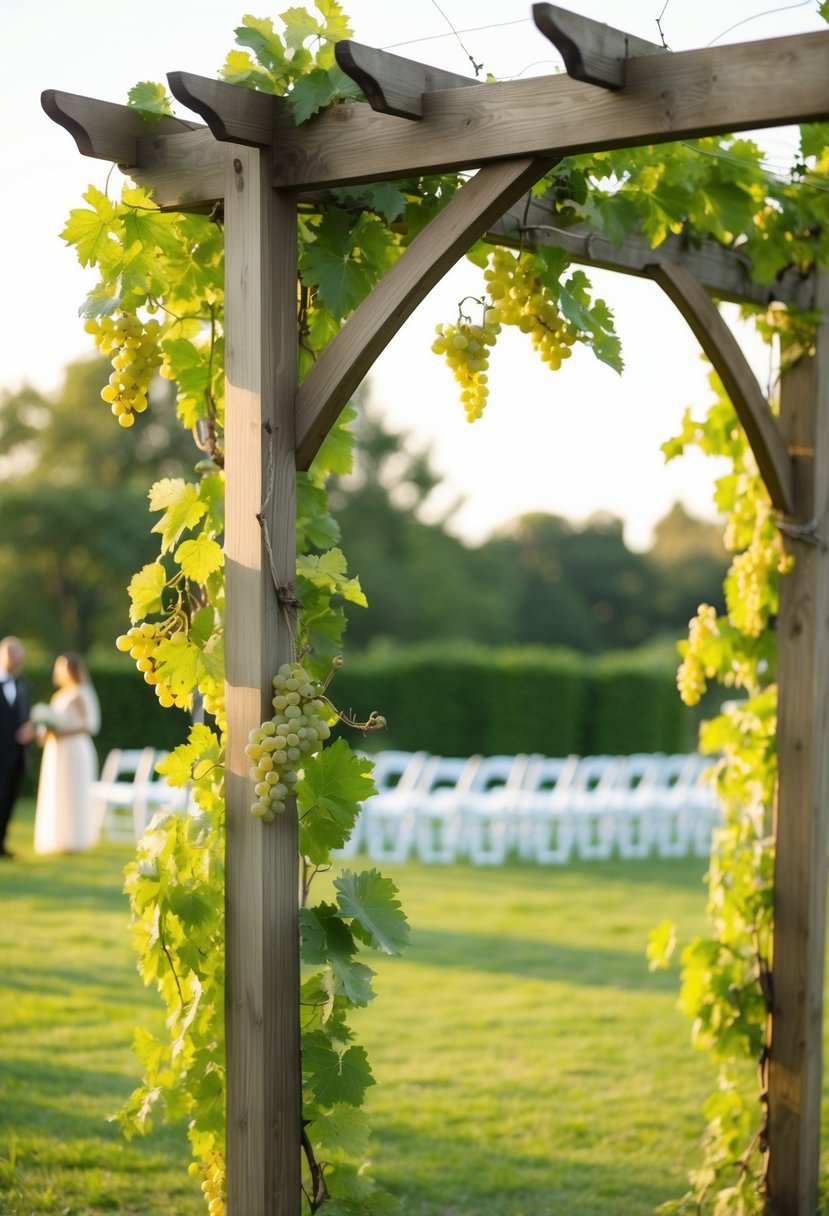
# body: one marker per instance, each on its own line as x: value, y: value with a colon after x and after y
x: 465, y: 701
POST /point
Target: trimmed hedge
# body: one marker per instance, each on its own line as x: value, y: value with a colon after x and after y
x: 457, y: 701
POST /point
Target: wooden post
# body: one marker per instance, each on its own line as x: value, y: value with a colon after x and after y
x: 802, y: 816
x: 262, y: 988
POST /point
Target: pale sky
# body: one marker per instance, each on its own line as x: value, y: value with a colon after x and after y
x: 572, y: 442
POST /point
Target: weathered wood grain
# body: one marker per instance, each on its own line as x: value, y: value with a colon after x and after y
x: 103, y: 129
x: 262, y: 886
x: 732, y: 367
x: 666, y: 97
x: 802, y: 814
x: 592, y: 52
x: 233, y: 113
x: 392, y: 84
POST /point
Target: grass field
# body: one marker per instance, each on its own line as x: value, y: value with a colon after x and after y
x: 527, y: 1062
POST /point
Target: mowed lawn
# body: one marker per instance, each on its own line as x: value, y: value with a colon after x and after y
x: 527, y: 1061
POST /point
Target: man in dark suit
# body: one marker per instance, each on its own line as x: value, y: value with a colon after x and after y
x: 16, y: 731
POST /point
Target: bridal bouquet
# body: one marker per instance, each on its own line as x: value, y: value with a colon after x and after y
x: 43, y: 715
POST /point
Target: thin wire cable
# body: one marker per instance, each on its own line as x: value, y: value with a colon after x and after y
x: 476, y: 66
x: 785, y: 8
x: 810, y: 181
x: 474, y: 29
x: 659, y: 24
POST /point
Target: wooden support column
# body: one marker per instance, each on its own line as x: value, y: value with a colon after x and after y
x: 262, y: 988
x: 802, y: 815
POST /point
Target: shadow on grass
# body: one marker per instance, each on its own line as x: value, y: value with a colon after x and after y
x: 554, y: 962
x: 519, y: 1183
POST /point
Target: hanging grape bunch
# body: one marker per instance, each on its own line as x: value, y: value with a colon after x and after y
x: 466, y: 347
x: 133, y: 347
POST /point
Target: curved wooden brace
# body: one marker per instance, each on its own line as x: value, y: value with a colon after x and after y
x: 233, y: 113
x: 103, y: 129
x: 729, y: 362
x: 349, y: 355
x: 392, y: 84
x: 592, y: 52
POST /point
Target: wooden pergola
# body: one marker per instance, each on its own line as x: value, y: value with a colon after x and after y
x: 618, y: 92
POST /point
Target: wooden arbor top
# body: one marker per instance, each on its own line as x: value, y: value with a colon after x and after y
x: 619, y: 91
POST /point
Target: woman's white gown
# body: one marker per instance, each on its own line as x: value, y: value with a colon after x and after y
x: 64, y: 821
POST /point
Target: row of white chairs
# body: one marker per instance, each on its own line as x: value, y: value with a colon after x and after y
x: 546, y: 810
x: 129, y: 792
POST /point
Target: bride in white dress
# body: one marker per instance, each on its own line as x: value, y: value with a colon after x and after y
x: 64, y: 818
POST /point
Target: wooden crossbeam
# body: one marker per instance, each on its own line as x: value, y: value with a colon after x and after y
x: 233, y: 114
x: 350, y: 354
x: 666, y: 97
x: 392, y: 84
x: 592, y: 52
x: 724, y: 272
x: 103, y: 129
x: 731, y: 365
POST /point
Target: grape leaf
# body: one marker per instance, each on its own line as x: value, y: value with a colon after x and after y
x: 151, y: 99
x: 182, y: 507
x: 329, y: 793
x: 370, y: 899
x: 333, y: 1076
x: 328, y: 262
x: 102, y: 301
x: 328, y: 573
x: 145, y: 591
x: 341, y: 1129
x: 326, y: 938
x: 199, y: 557
x: 91, y: 231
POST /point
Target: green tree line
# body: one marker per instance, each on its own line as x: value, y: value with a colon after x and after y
x: 73, y: 501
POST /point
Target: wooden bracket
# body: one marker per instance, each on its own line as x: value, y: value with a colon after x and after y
x: 729, y: 362
x: 233, y: 113
x: 392, y: 84
x: 592, y: 52
x: 103, y: 129
x: 349, y: 355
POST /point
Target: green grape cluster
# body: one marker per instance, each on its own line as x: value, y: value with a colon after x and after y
x: 141, y: 643
x: 299, y: 727
x: 519, y: 298
x: 132, y: 345
x: 466, y: 348
x: 694, y: 671
x: 212, y: 1174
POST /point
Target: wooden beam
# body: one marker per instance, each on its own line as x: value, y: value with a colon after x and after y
x: 103, y: 129
x: 731, y: 365
x: 262, y: 885
x: 802, y: 813
x: 184, y: 172
x: 349, y: 355
x: 233, y: 113
x: 724, y: 273
x: 666, y: 97
x: 592, y: 52
x: 392, y: 84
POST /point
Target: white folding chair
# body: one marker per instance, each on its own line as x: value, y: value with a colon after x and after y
x: 390, y: 768
x: 388, y: 817
x: 632, y: 801
x: 116, y: 804
x: 593, y: 814
x: 674, y: 804
x: 546, y: 824
x: 440, y: 793
x: 490, y: 809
